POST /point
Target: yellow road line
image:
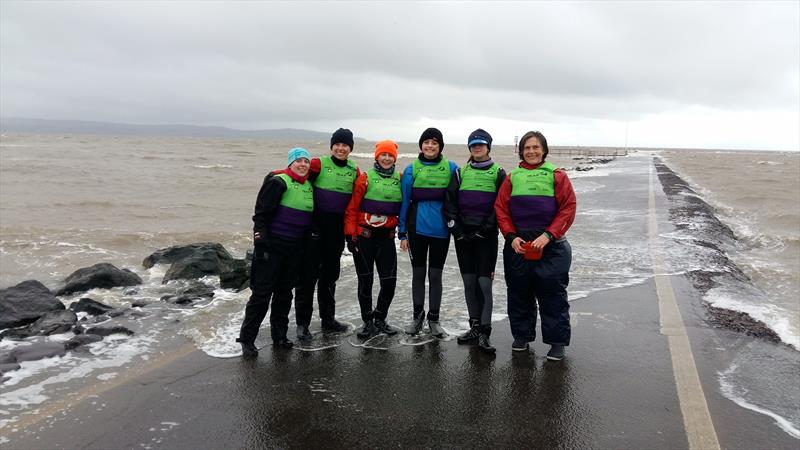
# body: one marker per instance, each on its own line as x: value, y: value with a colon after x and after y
x: 696, y: 417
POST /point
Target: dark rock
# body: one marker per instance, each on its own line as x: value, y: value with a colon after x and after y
x: 25, y: 303
x: 95, y: 319
x: 52, y: 322
x: 7, y: 357
x: 39, y: 350
x: 82, y: 339
x: 103, y: 275
x: 90, y: 306
x: 139, y: 303
x: 115, y: 312
x: 106, y: 331
x: 8, y: 367
x: 239, y: 277
x: 201, y: 264
x: 173, y: 254
x: 741, y: 322
x: 192, y: 292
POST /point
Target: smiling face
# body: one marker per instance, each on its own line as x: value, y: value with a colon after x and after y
x: 532, y: 151
x: 385, y: 160
x: 430, y: 148
x: 479, y: 152
x: 300, y: 166
x: 340, y: 151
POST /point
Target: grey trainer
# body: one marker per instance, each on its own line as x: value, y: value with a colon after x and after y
x: 416, y: 324
x: 436, y: 329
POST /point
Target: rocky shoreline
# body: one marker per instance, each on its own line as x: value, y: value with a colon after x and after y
x: 30, y: 309
x: 686, y: 203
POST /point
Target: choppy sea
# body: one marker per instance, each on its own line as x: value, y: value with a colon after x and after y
x: 70, y: 201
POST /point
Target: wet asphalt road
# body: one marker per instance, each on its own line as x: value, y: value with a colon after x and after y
x: 615, y: 389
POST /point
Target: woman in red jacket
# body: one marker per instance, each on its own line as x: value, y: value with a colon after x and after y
x: 370, y: 221
x: 535, y: 207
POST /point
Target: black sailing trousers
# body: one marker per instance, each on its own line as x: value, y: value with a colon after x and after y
x: 320, y: 269
x: 376, y: 252
x: 272, y: 277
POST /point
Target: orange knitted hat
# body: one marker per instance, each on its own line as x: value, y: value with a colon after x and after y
x: 387, y: 146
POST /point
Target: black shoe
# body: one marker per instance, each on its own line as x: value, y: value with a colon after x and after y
x: 483, y: 339
x: 472, y: 334
x: 520, y: 345
x: 367, y: 331
x: 282, y: 343
x: 382, y: 327
x: 556, y: 352
x: 249, y: 350
x: 333, y: 326
x: 303, y: 334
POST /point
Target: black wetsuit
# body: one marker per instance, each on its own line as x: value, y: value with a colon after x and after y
x: 476, y: 249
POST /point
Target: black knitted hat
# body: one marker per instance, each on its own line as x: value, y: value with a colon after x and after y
x: 432, y: 133
x: 342, y: 136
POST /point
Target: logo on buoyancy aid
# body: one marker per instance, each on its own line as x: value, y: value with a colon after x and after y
x: 375, y: 220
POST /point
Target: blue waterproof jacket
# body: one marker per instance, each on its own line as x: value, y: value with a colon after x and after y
x: 424, y: 217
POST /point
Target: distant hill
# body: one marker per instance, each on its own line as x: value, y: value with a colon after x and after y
x: 24, y: 125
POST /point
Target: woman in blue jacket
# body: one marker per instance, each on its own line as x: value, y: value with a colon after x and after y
x: 422, y: 228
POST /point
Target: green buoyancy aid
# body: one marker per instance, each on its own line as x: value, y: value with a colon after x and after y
x: 430, y: 180
x: 292, y: 218
x: 539, y: 181
x: 299, y: 196
x: 484, y: 180
x: 383, y: 195
x: 333, y: 186
x: 334, y: 178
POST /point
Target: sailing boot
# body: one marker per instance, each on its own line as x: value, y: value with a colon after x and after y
x: 249, y: 349
x: 367, y: 331
x: 483, y: 339
x: 279, y: 338
x: 382, y: 327
x: 436, y: 330
x: 303, y: 334
x: 471, y: 335
x: 416, y: 324
x: 333, y: 326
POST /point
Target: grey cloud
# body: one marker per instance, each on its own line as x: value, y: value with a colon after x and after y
x: 265, y: 64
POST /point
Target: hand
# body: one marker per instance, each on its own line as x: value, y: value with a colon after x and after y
x: 352, y: 244
x: 260, y: 251
x: 404, y: 245
x: 517, y: 244
x: 539, y: 243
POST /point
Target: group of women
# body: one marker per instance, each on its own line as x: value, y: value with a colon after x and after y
x: 306, y: 213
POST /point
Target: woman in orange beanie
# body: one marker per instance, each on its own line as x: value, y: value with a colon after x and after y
x: 370, y: 221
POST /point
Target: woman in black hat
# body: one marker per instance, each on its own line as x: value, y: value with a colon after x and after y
x: 422, y: 230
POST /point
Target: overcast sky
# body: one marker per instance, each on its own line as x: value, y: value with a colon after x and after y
x: 671, y: 74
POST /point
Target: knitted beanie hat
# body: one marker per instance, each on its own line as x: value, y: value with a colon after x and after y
x: 387, y: 146
x: 297, y: 153
x: 342, y: 136
x: 432, y: 133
